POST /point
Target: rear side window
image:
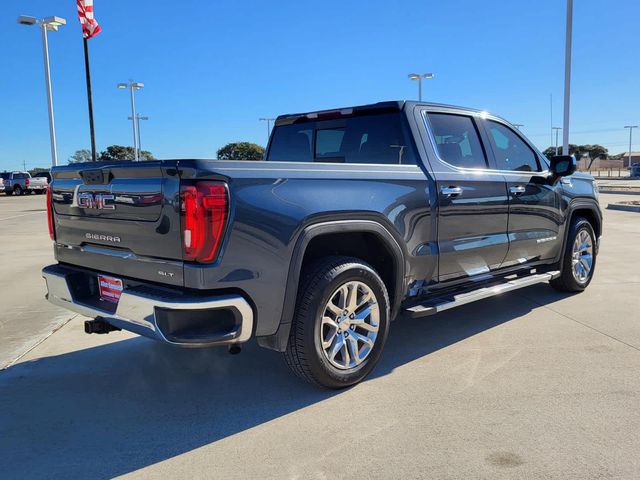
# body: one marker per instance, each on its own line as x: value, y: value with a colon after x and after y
x: 511, y: 152
x: 292, y: 143
x: 457, y: 140
x: 374, y: 139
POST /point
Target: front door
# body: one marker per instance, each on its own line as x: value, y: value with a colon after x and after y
x: 473, y: 201
x: 534, y: 204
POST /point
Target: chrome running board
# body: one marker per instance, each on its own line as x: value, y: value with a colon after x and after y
x: 439, y: 304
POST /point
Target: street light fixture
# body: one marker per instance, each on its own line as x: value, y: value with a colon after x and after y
x: 47, y: 24
x: 518, y: 125
x: 419, y: 77
x: 268, y: 120
x: 132, y: 86
x: 630, y: 127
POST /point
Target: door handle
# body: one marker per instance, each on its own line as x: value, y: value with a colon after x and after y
x: 517, y: 190
x: 451, y: 191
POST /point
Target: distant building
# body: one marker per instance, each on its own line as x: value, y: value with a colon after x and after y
x: 635, y: 158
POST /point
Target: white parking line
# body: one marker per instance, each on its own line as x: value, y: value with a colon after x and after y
x: 23, y: 215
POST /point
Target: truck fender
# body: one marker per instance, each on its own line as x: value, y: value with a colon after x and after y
x: 278, y: 341
x: 575, y: 205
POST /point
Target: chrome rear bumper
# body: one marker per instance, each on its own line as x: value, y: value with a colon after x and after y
x: 139, y: 311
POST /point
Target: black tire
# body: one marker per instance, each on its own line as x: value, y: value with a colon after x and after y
x: 304, y: 353
x: 567, y: 281
x: 8, y: 192
x: 17, y: 190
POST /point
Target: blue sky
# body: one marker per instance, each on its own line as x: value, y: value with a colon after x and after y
x: 211, y: 69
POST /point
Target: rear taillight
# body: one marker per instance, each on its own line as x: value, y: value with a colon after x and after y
x: 205, y: 207
x: 26, y: 182
x: 52, y: 232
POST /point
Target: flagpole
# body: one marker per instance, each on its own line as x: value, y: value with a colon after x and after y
x: 94, y: 156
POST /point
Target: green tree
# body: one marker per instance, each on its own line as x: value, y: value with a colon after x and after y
x: 80, y: 156
x: 241, y: 151
x: 592, y: 151
x: 118, y: 153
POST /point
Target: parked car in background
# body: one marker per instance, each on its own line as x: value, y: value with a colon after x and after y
x: 46, y: 175
x: 19, y: 183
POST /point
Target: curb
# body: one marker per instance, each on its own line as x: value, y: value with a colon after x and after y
x: 623, y: 207
x: 619, y: 192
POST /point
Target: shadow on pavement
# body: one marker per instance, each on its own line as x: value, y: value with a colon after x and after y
x: 113, y: 409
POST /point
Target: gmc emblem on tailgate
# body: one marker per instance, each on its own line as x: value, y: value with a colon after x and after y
x: 98, y: 201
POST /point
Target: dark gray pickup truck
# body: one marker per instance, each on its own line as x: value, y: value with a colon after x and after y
x: 355, y: 216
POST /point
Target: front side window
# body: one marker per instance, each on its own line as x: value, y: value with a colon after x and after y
x: 457, y: 140
x: 511, y: 152
x: 374, y: 139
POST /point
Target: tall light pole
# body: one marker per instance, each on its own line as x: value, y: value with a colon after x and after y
x: 419, y: 77
x: 268, y: 120
x: 518, y: 125
x: 133, y: 86
x: 567, y: 79
x: 630, y: 127
x: 138, y: 118
x: 47, y: 24
x: 556, y: 129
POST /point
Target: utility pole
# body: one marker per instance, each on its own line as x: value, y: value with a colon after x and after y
x: 138, y: 118
x: 268, y: 120
x: 567, y: 79
x: 630, y: 127
x: 556, y: 129
x: 551, y: 116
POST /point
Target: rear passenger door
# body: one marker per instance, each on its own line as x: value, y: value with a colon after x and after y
x: 472, y: 200
x: 534, y: 204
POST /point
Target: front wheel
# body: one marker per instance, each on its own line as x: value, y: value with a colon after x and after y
x: 340, y: 324
x: 579, y: 258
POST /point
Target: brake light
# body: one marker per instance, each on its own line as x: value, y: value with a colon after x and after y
x: 26, y: 182
x: 52, y: 232
x: 205, y: 207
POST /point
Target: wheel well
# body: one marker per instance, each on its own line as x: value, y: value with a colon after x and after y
x: 364, y: 245
x: 591, y: 217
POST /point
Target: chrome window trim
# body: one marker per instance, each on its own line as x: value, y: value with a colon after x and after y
x: 434, y: 143
x: 482, y: 116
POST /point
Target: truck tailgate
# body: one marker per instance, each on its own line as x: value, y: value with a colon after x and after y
x: 120, y: 218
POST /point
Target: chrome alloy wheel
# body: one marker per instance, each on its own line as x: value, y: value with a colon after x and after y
x: 582, y: 256
x: 350, y: 324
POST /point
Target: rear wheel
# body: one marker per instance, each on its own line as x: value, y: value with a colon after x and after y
x: 340, y: 324
x: 579, y: 259
x: 17, y: 190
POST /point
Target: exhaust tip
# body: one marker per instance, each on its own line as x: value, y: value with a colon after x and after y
x: 235, y: 349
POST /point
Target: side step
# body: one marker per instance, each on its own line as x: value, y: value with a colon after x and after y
x: 439, y: 304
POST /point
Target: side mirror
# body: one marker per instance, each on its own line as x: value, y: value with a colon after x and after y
x: 563, y: 165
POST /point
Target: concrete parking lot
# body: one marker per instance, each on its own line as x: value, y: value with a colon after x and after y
x: 532, y: 384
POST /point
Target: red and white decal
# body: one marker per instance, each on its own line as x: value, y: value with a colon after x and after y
x: 110, y: 288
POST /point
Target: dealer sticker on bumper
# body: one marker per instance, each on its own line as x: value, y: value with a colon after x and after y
x: 110, y: 288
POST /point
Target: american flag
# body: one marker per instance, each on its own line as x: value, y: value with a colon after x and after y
x: 90, y: 27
